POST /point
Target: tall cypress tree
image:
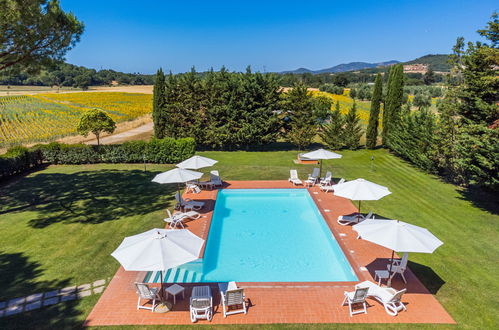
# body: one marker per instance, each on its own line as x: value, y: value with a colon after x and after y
x: 353, y: 130
x: 300, y: 109
x: 332, y: 133
x: 158, y: 103
x: 372, y: 127
x: 394, y: 100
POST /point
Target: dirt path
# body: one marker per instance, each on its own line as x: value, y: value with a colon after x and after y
x: 133, y: 134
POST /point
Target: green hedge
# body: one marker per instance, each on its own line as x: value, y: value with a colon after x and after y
x: 163, y: 151
x: 18, y: 160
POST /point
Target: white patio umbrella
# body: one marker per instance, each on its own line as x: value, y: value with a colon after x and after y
x: 196, y: 162
x: 177, y: 175
x: 158, y: 250
x: 397, y: 236
x: 361, y: 190
x: 321, y: 154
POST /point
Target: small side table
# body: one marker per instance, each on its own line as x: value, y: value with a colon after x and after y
x: 381, y: 275
x: 174, y: 290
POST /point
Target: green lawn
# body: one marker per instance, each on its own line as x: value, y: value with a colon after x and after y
x: 59, y: 225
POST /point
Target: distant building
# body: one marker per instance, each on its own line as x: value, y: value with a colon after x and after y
x: 416, y: 68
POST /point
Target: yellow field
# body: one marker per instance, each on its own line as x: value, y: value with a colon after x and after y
x: 346, y: 103
x: 46, y: 117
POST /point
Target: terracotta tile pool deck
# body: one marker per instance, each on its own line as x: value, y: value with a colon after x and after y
x: 296, y: 302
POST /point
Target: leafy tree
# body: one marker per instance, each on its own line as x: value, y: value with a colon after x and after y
x: 422, y: 100
x: 372, y: 127
x: 158, y: 103
x: 95, y: 121
x: 332, y: 132
x: 35, y: 33
x: 322, y: 108
x: 429, y: 77
x: 298, y: 103
x: 353, y: 129
x: 353, y: 93
x: 393, y: 101
x: 83, y: 81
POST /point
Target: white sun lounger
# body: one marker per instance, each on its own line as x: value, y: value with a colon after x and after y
x: 187, y: 204
x: 353, y: 219
x: 389, y: 297
x: 312, y: 178
x: 201, y: 303
x: 293, y: 177
x: 330, y: 187
x: 178, y: 217
x: 232, y: 296
x: 327, y: 179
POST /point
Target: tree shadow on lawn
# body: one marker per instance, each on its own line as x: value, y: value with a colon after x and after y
x: 482, y: 199
x: 88, y: 197
x: 18, y: 279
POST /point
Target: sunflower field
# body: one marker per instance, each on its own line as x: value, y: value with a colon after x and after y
x: 46, y: 117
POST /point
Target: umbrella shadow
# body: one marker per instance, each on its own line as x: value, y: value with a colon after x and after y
x: 428, y: 279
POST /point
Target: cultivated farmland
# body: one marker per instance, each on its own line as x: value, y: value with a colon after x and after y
x: 46, y: 117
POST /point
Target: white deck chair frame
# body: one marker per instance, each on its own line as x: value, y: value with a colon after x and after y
x: 145, y: 292
x: 355, y: 298
x: 312, y: 178
x: 389, y: 297
x: 293, y: 177
x: 234, y: 296
x: 187, y: 203
x: 399, y: 267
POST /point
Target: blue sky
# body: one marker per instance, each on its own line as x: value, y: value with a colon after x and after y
x: 141, y: 36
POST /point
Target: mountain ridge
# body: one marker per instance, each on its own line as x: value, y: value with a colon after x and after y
x: 436, y: 61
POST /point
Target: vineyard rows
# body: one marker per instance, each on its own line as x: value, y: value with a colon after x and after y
x: 46, y: 117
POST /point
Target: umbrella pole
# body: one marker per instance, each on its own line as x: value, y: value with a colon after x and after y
x: 320, y: 171
x: 359, y: 207
x: 389, y: 282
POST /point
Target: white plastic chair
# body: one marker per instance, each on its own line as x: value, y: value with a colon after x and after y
x: 327, y: 179
x: 326, y: 188
x: 293, y: 177
x: 399, y: 266
x: 145, y: 292
x: 312, y: 178
x: 354, y: 298
x: 390, y: 298
x: 232, y: 297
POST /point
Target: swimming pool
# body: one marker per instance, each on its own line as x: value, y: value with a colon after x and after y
x: 267, y: 235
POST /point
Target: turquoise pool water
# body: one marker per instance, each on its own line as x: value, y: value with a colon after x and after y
x: 266, y: 235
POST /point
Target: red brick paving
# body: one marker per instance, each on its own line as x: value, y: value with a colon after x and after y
x: 302, y: 302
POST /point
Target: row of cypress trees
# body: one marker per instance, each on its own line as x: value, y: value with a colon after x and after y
x: 220, y: 110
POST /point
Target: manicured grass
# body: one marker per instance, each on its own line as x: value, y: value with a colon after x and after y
x: 60, y: 224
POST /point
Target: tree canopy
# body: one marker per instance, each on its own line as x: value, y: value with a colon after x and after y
x: 95, y: 121
x: 35, y: 33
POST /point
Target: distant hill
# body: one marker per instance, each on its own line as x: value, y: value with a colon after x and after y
x: 352, y: 66
x: 437, y: 62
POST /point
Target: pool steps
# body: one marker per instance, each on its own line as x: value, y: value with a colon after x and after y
x: 174, y: 275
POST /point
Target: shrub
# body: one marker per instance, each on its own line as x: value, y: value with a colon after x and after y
x: 18, y: 160
x: 165, y: 151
